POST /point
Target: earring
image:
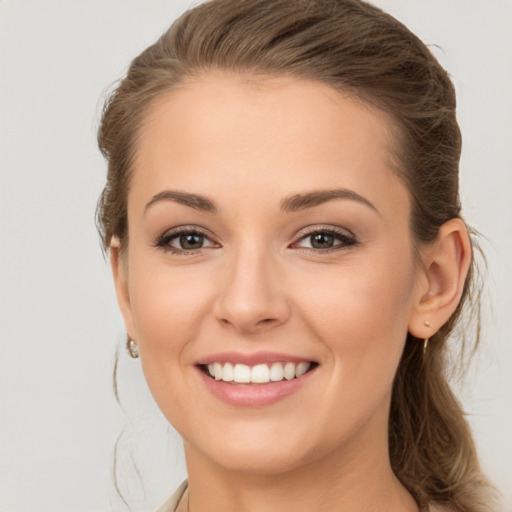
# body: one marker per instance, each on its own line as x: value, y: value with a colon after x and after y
x: 425, y: 342
x: 133, y: 350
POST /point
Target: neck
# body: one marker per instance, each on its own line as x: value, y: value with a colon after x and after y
x: 344, y: 480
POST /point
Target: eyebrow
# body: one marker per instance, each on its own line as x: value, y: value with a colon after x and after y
x: 293, y: 203
x: 195, y: 201
x: 310, y: 199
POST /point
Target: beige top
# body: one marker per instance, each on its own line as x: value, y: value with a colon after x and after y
x: 172, y: 503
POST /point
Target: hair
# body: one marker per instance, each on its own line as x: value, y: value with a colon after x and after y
x: 358, y: 49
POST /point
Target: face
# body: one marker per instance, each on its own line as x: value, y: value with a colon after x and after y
x: 268, y: 237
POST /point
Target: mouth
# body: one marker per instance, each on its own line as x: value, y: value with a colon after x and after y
x: 259, y: 374
x: 255, y: 379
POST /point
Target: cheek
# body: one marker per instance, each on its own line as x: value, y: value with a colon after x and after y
x: 361, y: 313
x: 374, y: 296
x: 168, y: 309
x: 168, y: 306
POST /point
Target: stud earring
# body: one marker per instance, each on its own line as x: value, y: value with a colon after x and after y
x: 427, y: 323
x: 133, y: 349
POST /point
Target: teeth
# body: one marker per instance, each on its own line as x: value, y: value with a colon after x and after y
x: 259, y: 374
x: 242, y: 373
x: 289, y: 371
x: 276, y: 372
x: 228, y: 372
x: 301, y: 369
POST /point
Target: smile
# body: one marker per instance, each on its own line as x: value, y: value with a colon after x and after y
x: 257, y: 374
x: 255, y: 379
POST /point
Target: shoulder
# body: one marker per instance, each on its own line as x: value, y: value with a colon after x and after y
x: 172, y: 503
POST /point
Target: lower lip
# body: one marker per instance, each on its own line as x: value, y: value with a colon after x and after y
x: 251, y: 395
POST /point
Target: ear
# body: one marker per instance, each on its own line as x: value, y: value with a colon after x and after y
x: 445, y: 267
x: 119, y: 264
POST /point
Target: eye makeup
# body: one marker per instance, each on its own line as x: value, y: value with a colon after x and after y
x: 188, y: 240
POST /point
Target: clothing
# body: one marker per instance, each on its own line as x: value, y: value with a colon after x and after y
x: 172, y: 503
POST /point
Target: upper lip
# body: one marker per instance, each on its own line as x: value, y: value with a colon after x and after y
x: 252, y: 359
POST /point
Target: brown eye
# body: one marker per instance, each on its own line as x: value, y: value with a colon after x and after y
x: 185, y: 241
x: 325, y: 240
x: 322, y: 240
x: 191, y: 241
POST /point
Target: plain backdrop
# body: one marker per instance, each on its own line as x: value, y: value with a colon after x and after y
x: 59, y: 325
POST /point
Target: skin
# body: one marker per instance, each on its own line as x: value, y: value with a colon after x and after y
x: 259, y: 285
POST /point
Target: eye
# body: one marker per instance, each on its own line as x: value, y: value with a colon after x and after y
x: 325, y: 240
x: 184, y: 241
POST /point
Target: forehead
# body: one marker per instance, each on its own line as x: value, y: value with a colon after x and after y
x: 223, y: 134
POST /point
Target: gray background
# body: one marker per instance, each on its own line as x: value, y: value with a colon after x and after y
x: 59, y: 325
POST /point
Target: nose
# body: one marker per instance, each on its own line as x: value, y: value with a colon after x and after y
x: 251, y: 297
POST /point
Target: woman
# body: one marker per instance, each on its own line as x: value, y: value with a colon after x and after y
x: 284, y: 227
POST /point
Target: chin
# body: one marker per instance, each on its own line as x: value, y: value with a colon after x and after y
x: 258, y: 460
x: 259, y: 449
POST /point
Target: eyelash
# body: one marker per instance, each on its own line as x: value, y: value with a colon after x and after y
x: 345, y: 239
x: 165, y: 240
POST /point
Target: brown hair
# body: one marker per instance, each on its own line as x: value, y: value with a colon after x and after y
x: 353, y: 47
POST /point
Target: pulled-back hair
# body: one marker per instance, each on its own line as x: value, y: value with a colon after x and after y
x: 356, y: 48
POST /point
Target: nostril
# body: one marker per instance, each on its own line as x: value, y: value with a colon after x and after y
x: 266, y: 321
